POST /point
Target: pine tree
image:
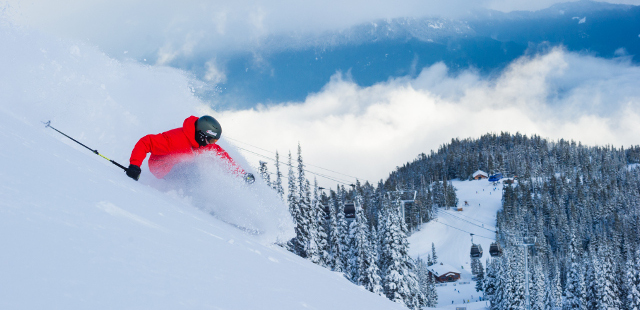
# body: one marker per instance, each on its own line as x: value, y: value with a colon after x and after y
x: 360, y: 242
x: 501, y: 283
x: 434, y: 257
x: 294, y: 208
x: 305, y: 224
x: 490, y: 280
x: 343, y: 238
x: 479, y: 276
x: 416, y: 299
x: 321, y: 235
x: 432, y: 295
x: 556, y: 294
x: 591, y: 284
x: 277, y: 185
x: 474, y: 266
x: 312, y: 248
x: 538, y: 287
x: 422, y: 273
x: 395, y: 247
x: 608, y: 291
x: 574, y: 290
x: 264, y: 173
x: 633, y: 281
x: 371, y: 279
x: 335, y: 245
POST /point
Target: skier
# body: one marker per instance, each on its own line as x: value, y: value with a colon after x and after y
x: 172, y: 150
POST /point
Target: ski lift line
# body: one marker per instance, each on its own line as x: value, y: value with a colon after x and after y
x: 471, y: 219
x: 345, y: 182
x: 305, y: 164
x: 447, y: 213
x: 474, y: 220
x: 493, y: 231
x: 492, y: 239
x: 314, y: 173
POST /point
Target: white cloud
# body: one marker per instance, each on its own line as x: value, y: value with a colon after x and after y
x: 368, y: 131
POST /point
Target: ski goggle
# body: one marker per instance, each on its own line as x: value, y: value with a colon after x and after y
x: 211, y: 136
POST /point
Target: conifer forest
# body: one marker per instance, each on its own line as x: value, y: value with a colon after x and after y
x: 570, y: 223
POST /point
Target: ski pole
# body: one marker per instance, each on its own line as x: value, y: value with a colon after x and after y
x: 48, y: 124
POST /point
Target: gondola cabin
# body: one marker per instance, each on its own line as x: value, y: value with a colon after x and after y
x: 495, y: 250
x: 476, y: 251
x: 349, y: 211
x: 495, y: 178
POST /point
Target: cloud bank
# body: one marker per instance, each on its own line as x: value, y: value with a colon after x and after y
x: 368, y: 131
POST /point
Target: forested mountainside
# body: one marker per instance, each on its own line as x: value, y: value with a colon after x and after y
x: 580, y: 203
x: 513, y: 155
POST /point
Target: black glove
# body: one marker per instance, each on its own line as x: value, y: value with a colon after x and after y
x: 133, y: 172
x: 249, y: 178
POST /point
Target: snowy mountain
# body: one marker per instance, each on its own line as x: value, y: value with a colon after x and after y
x: 289, y: 66
x: 78, y: 234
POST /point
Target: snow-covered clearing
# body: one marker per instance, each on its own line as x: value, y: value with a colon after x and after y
x: 450, y: 235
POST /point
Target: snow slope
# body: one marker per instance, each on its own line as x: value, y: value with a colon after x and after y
x: 453, y: 242
x: 76, y: 233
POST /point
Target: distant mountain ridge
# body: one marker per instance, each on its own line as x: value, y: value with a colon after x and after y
x: 429, y: 28
x: 289, y: 67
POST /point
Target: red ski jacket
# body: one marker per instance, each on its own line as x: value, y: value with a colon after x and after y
x: 175, y: 146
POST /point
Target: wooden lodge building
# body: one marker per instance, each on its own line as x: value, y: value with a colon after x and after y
x: 479, y: 175
x: 444, y: 273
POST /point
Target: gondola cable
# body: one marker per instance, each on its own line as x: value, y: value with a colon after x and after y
x: 307, y: 164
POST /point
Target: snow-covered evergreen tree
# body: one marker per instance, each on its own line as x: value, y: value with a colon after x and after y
x: 277, y: 185
x: 432, y: 296
x: 394, y: 252
x: 574, y: 290
x: 305, y: 217
x: 608, y: 297
x: 371, y: 279
x: 479, y: 276
x: 434, y: 256
x: 321, y: 237
x: 312, y: 247
x: 417, y: 299
x: 490, y: 280
x: 475, y: 266
x: 538, y: 287
x: 360, y: 245
x: 554, y: 296
x: 591, y: 284
x: 264, y: 173
x: 344, y: 239
x: 632, y: 281
x: 335, y: 238
x: 294, y: 208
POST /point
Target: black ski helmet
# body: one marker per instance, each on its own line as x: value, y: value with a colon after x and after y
x: 209, y: 127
